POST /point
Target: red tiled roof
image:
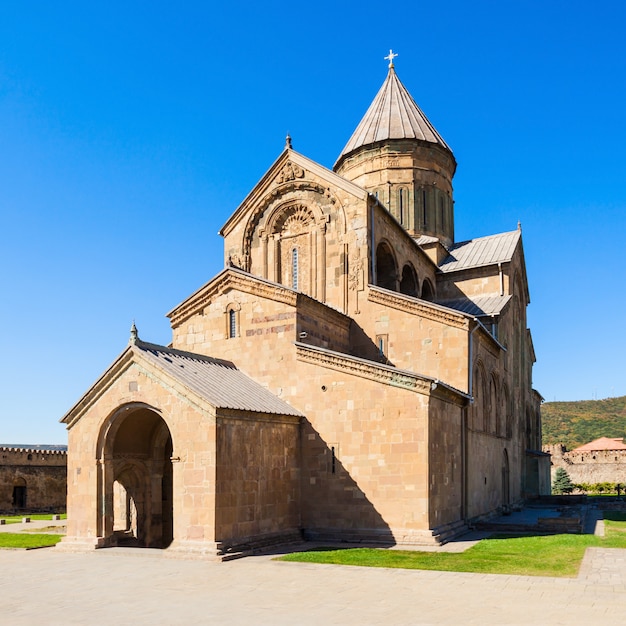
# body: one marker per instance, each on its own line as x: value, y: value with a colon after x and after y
x: 604, y: 443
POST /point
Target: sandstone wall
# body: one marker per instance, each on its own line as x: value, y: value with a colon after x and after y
x: 40, y: 477
x: 597, y: 466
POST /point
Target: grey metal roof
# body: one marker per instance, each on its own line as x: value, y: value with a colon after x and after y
x: 480, y: 252
x: 393, y: 114
x: 218, y: 381
x: 423, y: 240
x: 479, y: 306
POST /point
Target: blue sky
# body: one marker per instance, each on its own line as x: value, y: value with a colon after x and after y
x: 129, y: 132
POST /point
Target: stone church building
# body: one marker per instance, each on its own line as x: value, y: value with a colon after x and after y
x: 354, y: 373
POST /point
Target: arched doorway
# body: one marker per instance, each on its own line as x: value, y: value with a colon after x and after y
x: 135, y: 479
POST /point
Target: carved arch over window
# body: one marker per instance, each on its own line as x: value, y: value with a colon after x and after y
x: 291, y: 220
x: 320, y: 200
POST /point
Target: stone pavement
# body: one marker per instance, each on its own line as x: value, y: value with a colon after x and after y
x: 134, y: 586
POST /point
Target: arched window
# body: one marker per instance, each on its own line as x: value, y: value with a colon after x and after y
x: 232, y: 320
x: 428, y: 292
x: 294, y: 268
x: 442, y: 224
x: 232, y: 324
x: 402, y: 206
x: 493, y: 405
x: 408, y: 284
x: 386, y: 268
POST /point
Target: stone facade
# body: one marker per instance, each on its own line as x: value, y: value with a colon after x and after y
x: 402, y: 374
x: 32, y: 479
x: 589, y: 466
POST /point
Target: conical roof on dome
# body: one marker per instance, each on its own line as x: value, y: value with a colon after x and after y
x: 392, y: 115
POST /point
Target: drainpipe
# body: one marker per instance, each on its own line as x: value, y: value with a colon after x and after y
x: 470, y: 391
x: 373, y: 245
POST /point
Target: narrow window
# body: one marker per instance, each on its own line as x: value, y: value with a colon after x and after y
x: 332, y: 460
x: 441, y: 212
x: 401, y: 205
x: 294, y: 268
x: 232, y: 324
x: 382, y: 342
x: 425, y: 208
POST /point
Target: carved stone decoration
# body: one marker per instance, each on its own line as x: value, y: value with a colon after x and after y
x: 355, y: 275
x: 294, y: 221
x: 235, y: 260
x: 289, y: 172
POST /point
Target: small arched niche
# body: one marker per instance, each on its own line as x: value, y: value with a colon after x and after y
x: 408, y: 284
x: 386, y: 267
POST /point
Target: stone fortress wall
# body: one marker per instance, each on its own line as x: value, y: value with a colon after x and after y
x: 33, y: 478
x: 589, y: 466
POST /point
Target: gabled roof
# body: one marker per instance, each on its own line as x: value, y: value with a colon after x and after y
x: 478, y: 306
x: 393, y: 114
x: 290, y: 155
x: 215, y: 381
x: 480, y: 252
x: 604, y: 443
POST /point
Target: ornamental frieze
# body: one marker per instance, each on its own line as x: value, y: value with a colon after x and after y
x: 339, y: 363
x: 416, y: 307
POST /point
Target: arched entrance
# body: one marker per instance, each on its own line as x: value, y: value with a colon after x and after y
x: 135, y: 479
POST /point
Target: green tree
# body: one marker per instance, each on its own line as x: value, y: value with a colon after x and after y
x: 561, y: 483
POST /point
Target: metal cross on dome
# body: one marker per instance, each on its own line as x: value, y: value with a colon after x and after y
x: 390, y: 57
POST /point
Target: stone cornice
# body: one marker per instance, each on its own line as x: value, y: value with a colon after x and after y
x: 379, y: 373
x: 230, y: 278
x: 414, y: 306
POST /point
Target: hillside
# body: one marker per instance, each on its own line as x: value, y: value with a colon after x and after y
x: 576, y: 423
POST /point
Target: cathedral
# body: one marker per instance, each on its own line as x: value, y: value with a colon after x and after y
x: 353, y: 374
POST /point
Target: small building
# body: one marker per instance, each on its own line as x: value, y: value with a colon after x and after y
x: 600, y: 461
x: 32, y: 478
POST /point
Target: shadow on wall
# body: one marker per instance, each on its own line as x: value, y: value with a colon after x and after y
x: 334, y: 508
x: 363, y: 347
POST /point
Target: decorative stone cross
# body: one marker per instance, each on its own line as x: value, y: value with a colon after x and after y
x: 390, y: 57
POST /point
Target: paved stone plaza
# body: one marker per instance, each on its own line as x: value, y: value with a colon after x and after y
x: 123, y: 585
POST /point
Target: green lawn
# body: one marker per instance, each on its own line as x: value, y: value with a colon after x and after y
x: 28, y: 540
x: 550, y: 555
x: 16, y: 519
